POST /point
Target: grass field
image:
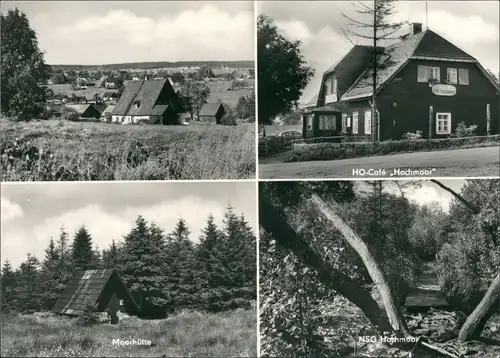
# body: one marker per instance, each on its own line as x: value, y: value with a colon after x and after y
x: 275, y: 129
x: 187, y: 334
x: 66, y: 89
x: 218, y: 91
x: 61, y: 150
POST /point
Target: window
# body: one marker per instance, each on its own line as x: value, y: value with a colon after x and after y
x: 344, y: 123
x: 309, y: 122
x: 368, y: 122
x: 463, y: 76
x: 355, y: 122
x: 443, y: 123
x: 452, y: 76
x: 335, y: 84
x: 434, y: 74
x: 326, y: 122
x: 331, y: 85
x: 423, y: 74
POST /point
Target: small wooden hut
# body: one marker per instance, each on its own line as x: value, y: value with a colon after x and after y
x: 102, y: 287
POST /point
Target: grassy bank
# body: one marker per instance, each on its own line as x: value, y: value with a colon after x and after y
x: 61, y: 150
x: 188, y: 334
x: 331, y: 149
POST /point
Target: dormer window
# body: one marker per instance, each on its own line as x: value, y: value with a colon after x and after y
x: 137, y: 104
x: 331, y: 88
x: 331, y: 85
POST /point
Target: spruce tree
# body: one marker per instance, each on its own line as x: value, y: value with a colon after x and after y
x: 28, y: 288
x: 110, y: 256
x: 9, y: 302
x: 51, y: 284
x: 141, y: 267
x: 81, y: 250
x: 181, y: 284
x: 209, y: 264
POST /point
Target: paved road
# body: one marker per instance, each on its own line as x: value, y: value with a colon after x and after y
x: 483, y: 161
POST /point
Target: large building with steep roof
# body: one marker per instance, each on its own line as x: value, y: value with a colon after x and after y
x: 153, y: 101
x: 425, y: 83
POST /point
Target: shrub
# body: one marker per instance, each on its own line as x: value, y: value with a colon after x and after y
x: 463, y: 130
x: 412, y: 136
x: 69, y: 114
x: 89, y: 317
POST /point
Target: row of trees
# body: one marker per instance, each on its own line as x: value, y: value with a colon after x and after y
x: 326, y: 240
x: 166, y: 272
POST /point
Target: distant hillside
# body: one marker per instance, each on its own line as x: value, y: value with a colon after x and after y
x: 153, y: 65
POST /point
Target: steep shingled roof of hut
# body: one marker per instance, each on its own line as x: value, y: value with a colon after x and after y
x: 94, y: 286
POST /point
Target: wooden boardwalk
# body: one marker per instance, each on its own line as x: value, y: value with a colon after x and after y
x: 426, y: 292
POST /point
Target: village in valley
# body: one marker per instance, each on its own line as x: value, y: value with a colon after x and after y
x: 159, y: 117
x: 215, y: 94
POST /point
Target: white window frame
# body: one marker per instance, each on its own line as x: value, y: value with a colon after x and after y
x: 368, y: 121
x: 452, y: 76
x: 344, y: 122
x: 435, y: 73
x: 309, y: 122
x: 440, y: 121
x: 355, y: 120
x: 425, y: 76
x: 466, y: 72
x: 334, y: 85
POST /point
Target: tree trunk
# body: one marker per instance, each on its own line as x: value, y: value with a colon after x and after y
x: 388, y: 297
x: 476, y: 321
x: 272, y: 222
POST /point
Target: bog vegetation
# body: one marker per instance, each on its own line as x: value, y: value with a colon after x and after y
x: 205, y: 290
x: 337, y: 262
x: 60, y: 150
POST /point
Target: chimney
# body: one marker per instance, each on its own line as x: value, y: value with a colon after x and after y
x: 415, y: 28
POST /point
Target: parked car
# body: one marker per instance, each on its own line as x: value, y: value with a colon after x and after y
x: 288, y: 136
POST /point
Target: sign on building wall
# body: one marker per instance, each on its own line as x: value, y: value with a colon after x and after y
x: 444, y: 90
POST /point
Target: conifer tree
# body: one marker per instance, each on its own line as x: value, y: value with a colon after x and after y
x: 51, y: 284
x: 9, y: 302
x: 28, y: 290
x: 110, y: 256
x: 181, y: 268
x: 209, y: 263
x: 141, y: 268
x: 81, y: 250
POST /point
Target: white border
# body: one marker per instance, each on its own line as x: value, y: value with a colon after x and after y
x: 257, y: 236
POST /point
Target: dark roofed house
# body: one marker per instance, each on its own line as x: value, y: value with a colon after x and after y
x: 428, y: 84
x: 85, y: 110
x: 211, y: 113
x: 102, y: 288
x: 152, y: 101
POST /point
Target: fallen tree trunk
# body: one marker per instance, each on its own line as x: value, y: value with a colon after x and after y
x: 388, y: 297
x: 272, y: 221
x: 476, y: 321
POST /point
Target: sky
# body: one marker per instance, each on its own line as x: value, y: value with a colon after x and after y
x: 470, y: 25
x: 32, y: 213
x: 103, y: 32
x: 425, y: 193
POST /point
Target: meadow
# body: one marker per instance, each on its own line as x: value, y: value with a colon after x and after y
x: 186, y: 334
x: 57, y: 150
